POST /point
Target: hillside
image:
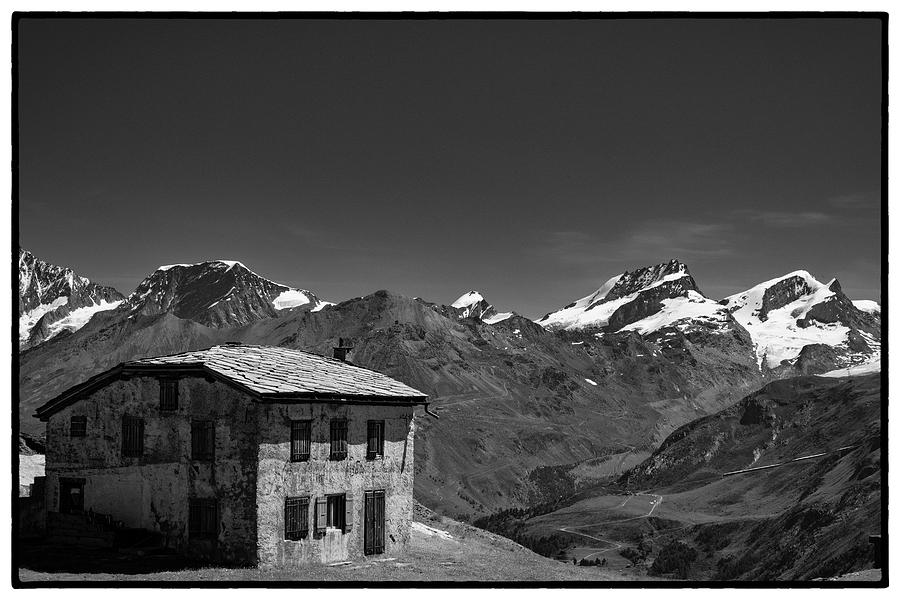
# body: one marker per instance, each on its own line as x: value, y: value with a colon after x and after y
x: 805, y: 520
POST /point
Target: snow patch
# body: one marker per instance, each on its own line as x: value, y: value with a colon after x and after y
x: 79, y: 317
x: 694, y: 306
x: 590, y: 381
x: 873, y: 366
x: 869, y: 306
x: 431, y: 531
x: 322, y: 304
x: 29, y: 319
x: 468, y: 299
x: 289, y: 299
x: 497, y: 318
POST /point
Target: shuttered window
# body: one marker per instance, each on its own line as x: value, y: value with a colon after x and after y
x: 375, y: 437
x: 203, y: 518
x: 338, y: 439
x: 300, y: 440
x: 334, y: 512
x: 168, y: 394
x: 203, y: 440
x: 78, y: 426
x: 373, y: 534
x: 132, y: 436
x: 296, y: 518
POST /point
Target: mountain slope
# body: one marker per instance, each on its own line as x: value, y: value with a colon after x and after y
x: 54, y: 299
x: 218, y: 293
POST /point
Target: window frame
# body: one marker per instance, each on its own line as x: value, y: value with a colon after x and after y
x: 81, y: 430
x: 339, y: 439
x: 203, y: 440
x: 168, y: 394
x: 202, y: 511
x: 132, y: 441
x: 336, y: 511
x: 296, y: 523
x: 378, y: 452
x: 297, y: 429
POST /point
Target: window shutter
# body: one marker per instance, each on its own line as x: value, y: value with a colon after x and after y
x: 321, y: 515
x: 348, y: 514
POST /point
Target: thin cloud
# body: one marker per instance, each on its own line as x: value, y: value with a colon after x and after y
x: 784, y: 219
x: 650, y: 242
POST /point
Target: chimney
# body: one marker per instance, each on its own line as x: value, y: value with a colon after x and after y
x: 341, y: 351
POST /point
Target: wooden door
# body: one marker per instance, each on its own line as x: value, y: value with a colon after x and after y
x: 374, y: 522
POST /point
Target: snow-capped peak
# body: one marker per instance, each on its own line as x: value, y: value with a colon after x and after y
x: 54, y: 298
x: 216, y: 293
x: 473, y: 304
x: 596, y: 309
x: 777, y: 312
x: 468, y: 299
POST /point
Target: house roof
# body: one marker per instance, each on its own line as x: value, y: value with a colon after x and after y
x: 265, y: 372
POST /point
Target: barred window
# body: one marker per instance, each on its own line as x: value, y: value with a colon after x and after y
x: 296, y: 518
x: 375, y: 437
x: 132, y: 436
x: 168, y: 394
x: 203, y: 440
x: 78, y: 426
x: 338, y: 439
x: 203, y: 516
x: 300, y: 439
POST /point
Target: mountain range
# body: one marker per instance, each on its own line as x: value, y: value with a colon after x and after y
x: 602, y: 381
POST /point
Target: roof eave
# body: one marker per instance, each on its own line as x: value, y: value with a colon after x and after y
x: 372, y: 399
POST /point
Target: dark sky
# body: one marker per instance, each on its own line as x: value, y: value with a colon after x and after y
x: 531, y: 160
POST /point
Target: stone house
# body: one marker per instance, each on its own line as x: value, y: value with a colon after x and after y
x: 239, y: 453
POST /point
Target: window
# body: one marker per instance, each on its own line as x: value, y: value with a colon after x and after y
x: 203, y: 516
x: 375, y: 437
x: 78, y: 426
x: 168, y: 394
x: 132, y: 436
x: 203, y: 440
x: 300, y: 435
x: 296, y: 518
x: 338, y: 439
x: 334, y: 512
x: 373, y: 534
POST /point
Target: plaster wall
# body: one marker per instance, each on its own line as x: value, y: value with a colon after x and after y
x: 279, y: 478
x: 153, y: 491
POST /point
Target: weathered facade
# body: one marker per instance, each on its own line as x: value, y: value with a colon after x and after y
x: 244, y: 454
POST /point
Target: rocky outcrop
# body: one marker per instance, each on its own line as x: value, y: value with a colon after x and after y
x: 840, y: 309
x: 783, y: 293
x: 816, y: 358
x: 649, y: 302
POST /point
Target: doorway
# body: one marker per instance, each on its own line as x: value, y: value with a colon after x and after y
x: 374, y: 522
x: 71, y: 496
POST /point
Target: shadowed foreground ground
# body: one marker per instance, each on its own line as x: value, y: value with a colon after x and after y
x: 441, y: 550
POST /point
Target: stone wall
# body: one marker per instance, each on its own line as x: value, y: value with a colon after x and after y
x: 279, y: 478
x: 153, y: 491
